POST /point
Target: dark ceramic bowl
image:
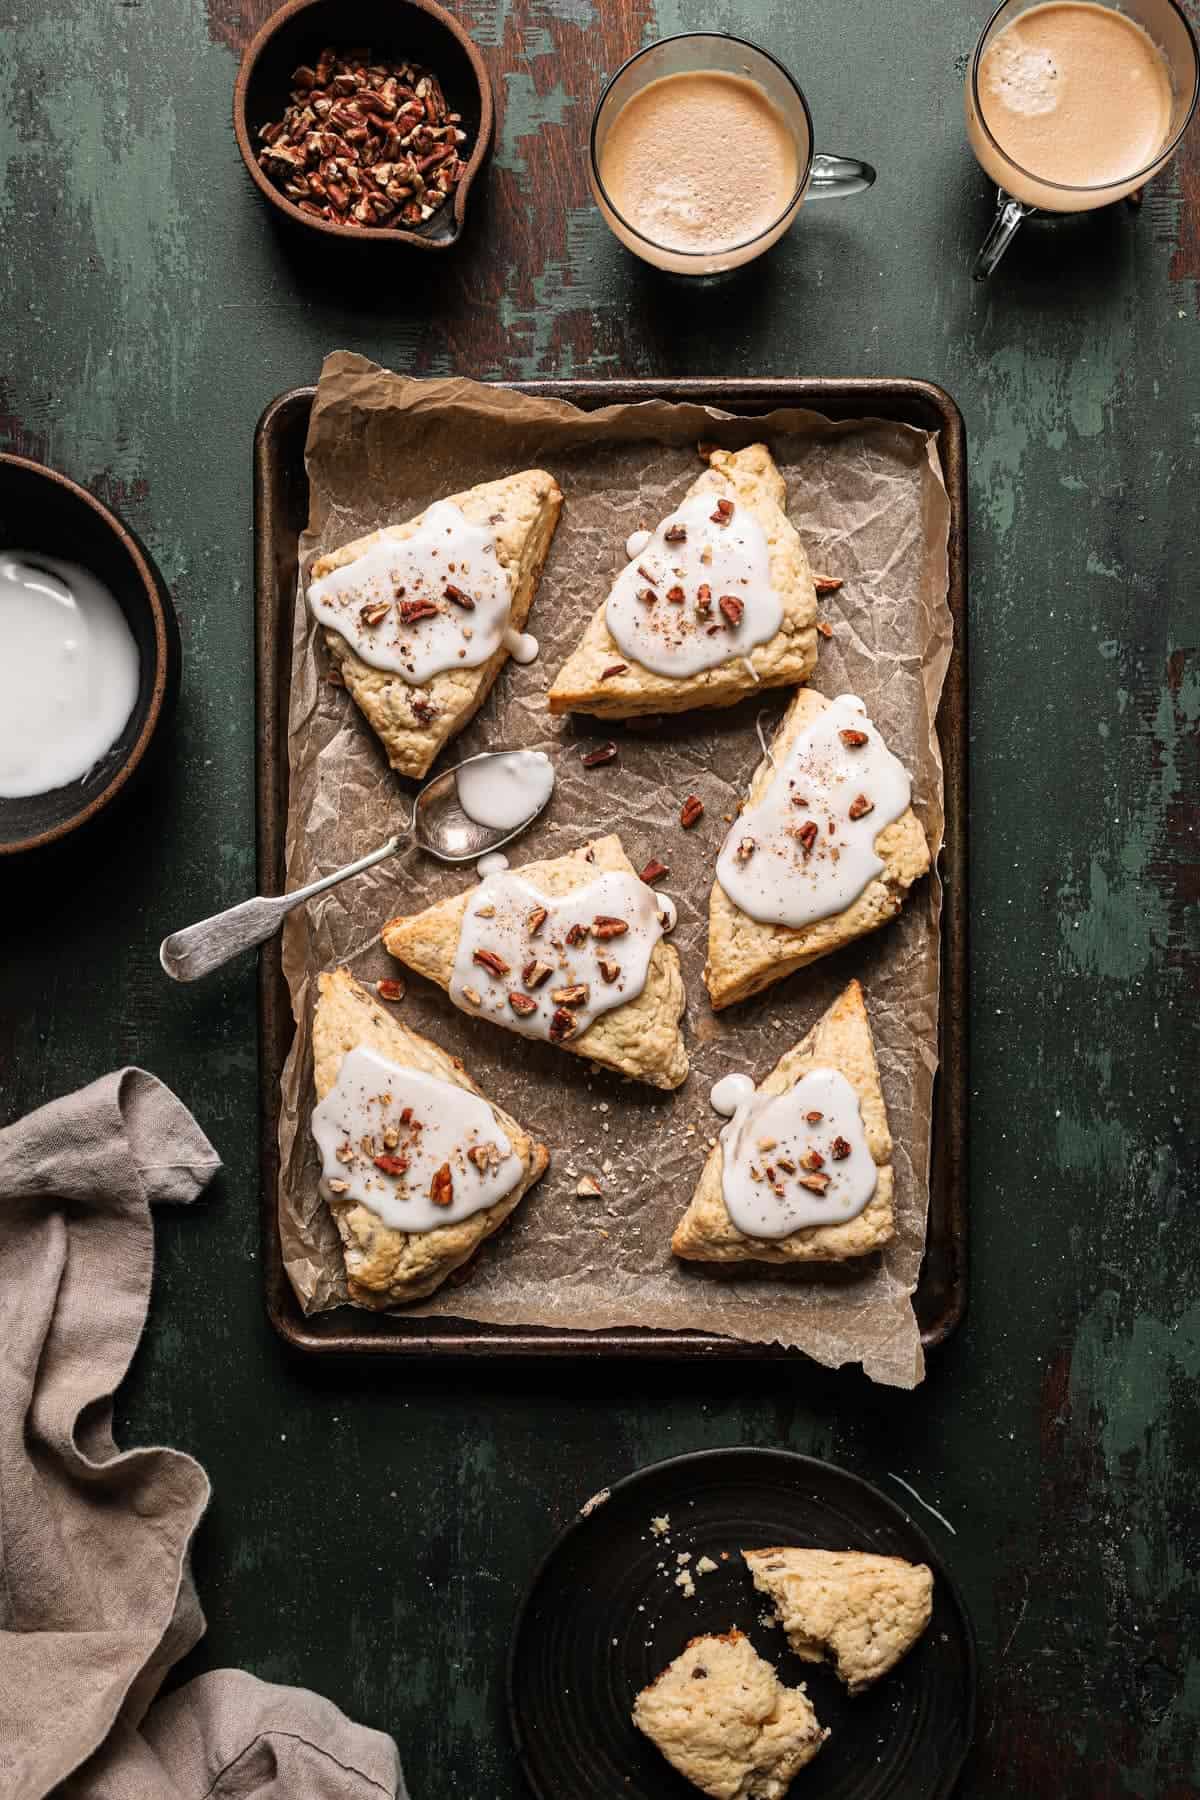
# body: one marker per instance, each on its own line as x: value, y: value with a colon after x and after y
x: 41, y: 510
x: 416, y: 30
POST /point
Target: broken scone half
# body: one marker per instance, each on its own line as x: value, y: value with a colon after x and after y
x: 824, y: 850
x: 721, y: 1716
x: 803, y: 1170
x: 420, y: 618
x: 719, y: 601
x: 416, y: 1165
x: 571, y: 951
x: 865, y: 1612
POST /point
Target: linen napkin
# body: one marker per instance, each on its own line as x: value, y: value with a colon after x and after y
x: 96, y: 1594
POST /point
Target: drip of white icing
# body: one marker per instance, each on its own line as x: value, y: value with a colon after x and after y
x: 505, y: 790
x: 522, y: 646
x: 635, y: 543
x: 69, y: 673
x: 686, y: 636
x: 362, y: 1119
x: 729, y: 1093
x: 494, y: 863
x: 779, y: 872
x: 501, y: 922
x: 446, y: 552
x: 770, y: 1147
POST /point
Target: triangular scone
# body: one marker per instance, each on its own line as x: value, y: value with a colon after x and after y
x: 721, y: 1716
x: 841, y: 1040
x: 586, y: 683
x: 640, y: 1038
x: 385, y: 1267
x: 864, y: 1612
x: 745, y: 955
x: 412, y: 722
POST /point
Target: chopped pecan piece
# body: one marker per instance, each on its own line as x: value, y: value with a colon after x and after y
x: 807, y: 835
x: 853, y: 740
x: 575, y: 995
x: 563, y: 1025
x: 587, y: 1188
x: 338, y: 1187
x: 603, y: 753
x: 473, y: 995
x: 576, y: 934
x: 860, y: 806
x: 485, y: 1157
x: 814, y: 1118
x: 390, y: 989
x: 423, y: 708
x: 536, y: 919
x: 647, y: 596
x: 812, y: 1159
x: 412, y: 611
x: 825, y: 628
x: 786, y: 1164
x: 722, y: 512
x: 645, y: 574
x: 675, y: 534
x: 487, y: 959
x: 816, y: 1183
x: 613, y: 669
x: 675, y: 596
x: 654, y: 870
x: 391, y: 1165
x: 731, y: 609
x: 522, y: 1004
x: 605, y: 927
x: 745, y: 850
x: 535, y: 972
x: 456, y: 596
x: 691, y: 812
x: 827, y: 584
x: 704, y: 599
x: 839, y: 1149
x: 441, y: 1190
x: 375, y: 612
x: 609, y: 970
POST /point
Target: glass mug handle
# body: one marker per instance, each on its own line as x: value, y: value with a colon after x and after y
x: 834, y: 177
x: 1009, y: 214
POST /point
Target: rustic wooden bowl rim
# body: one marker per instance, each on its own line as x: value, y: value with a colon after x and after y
x: 364, y: 233
x: 148, y: 582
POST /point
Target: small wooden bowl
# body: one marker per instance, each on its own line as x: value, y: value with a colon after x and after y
x: 419, y: 31
x: 41, y: 510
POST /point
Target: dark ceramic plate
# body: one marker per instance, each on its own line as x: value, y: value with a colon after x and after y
x: 603, y: 1617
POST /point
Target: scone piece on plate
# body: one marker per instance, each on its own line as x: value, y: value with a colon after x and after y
x: 571, y: 951
x: 824, y: 850
x: 719, y: 602
x: 417, y: 1166
x: 722, y: 1717
x: 803, y: 1170
x: 420, y: 618
x: 865, y: 1612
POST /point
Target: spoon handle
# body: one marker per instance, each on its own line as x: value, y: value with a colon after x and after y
x: 199, y: 949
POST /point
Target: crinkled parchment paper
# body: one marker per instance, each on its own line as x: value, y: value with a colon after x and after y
x: 869, y: 501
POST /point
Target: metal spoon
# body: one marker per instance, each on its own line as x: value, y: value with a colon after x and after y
x: 438, y: 824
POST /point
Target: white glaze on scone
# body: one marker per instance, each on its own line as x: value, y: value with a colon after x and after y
x: 420, y: 605
x: 730, y: 1092
x: 806, y: 850
x: 797, y: 1159
x: 698, y: 594
x: 547, y: 966
x: 420, y: 1152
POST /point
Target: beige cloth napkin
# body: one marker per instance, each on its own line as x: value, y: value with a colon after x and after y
x: 96, y: 1595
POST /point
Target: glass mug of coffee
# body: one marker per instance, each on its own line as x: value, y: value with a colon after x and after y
x: 702, y: 153
x: 1072, y: 104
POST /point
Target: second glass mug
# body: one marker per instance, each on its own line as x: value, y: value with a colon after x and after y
x: 1020, y: 192
x: 693, y: 52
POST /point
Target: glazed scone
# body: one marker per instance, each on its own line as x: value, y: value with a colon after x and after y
x: 640, y: 1037
x: 386, y: 1267
x: 865, y: 1612
x: 840, y: 1040
x: 722, y: 1717
x: 413, y: 722
x: 748, y: 478
x: 746, y: 955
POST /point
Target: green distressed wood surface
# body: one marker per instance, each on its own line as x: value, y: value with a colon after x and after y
x: 370, y: 1530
